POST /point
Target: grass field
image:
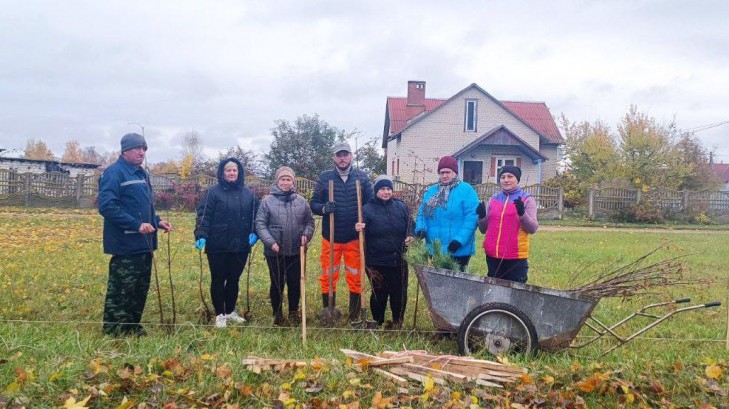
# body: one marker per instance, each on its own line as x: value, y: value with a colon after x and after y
x: 52, y: 353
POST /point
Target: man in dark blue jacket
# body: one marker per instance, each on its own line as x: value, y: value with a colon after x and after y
x: 346, y: 239
x: 130, y: 236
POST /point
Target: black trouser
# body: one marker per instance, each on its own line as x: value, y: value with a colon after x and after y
x: 225, y: 271
x: 388, y: 282
x: 462, y: 261
x: 126, y: 293
x: 514, y: 270
x: 284, y: 271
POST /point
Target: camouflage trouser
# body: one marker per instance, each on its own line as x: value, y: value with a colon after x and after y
x: 126, y: 293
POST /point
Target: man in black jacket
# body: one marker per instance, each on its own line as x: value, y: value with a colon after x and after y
x: 344, y: 208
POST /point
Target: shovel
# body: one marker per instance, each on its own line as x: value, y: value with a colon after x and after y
x: 330, y: 315
x: 302, y: 261
x: 363, y: 323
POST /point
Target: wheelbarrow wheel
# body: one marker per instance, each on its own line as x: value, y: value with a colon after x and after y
x: 496, y: 328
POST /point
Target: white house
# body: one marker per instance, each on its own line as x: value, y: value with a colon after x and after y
x: 483, y: 133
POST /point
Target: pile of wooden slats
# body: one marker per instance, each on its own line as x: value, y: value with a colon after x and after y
x: 419, y: 366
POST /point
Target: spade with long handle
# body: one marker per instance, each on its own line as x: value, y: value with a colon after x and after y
x: 363, y: 322
x: 331, y: 315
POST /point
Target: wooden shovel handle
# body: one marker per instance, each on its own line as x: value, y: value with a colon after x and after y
x: 362, y: 263
x: 331, y: 244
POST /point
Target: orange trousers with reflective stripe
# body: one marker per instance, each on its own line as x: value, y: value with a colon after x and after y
x: 350, y: 252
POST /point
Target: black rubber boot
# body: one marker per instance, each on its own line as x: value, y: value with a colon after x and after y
x: 278, y: 319
x: 325, y: 299
x: 354, y: 306
x: 294, y: 318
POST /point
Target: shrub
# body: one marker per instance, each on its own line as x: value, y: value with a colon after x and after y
x: 644, y: 212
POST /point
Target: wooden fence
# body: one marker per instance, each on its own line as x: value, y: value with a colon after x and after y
x: 60, y: 190
x: 609, y: 200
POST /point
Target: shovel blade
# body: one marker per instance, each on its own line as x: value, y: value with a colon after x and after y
x: 363, y: 322
x: 330, y: 316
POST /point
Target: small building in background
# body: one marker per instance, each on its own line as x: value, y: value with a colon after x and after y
x: 21, y: 165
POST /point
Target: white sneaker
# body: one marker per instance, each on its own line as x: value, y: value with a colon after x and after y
x: 233, y: 316
x: 221, y: 321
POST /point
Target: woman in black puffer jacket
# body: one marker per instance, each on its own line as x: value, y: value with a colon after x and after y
x: 224, y: 227
x: 388, y: 229
x: 285, y: 224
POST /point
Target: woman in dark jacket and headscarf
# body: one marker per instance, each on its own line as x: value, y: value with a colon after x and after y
x: 224, y: 227
x: 388, y: 228
x: 285, y: 224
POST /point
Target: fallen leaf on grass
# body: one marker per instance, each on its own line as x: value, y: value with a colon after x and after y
x: 314, y: 389
x: 657, y: 387
x: 126, y: 404
x: 72, y: 404
x: 713, y: 371
x: 428, y: 384
x: 379, y: 402
x: 223, y: 372
x: 12, y: 388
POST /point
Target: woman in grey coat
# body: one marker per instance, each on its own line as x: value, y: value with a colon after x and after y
x: 284, y: 223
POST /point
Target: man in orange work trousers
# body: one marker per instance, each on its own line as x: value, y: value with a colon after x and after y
x: 344, y: 207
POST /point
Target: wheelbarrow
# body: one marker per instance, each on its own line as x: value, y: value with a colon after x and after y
x: 500, y: 316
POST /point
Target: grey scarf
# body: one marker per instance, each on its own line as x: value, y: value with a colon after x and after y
x: 439, y: 199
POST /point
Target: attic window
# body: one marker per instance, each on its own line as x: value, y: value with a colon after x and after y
x: 470, y: 122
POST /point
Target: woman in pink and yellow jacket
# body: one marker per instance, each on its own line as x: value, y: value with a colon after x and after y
x: 508, y: 219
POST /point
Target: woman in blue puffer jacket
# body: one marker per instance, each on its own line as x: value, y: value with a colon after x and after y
x: 448, y: 214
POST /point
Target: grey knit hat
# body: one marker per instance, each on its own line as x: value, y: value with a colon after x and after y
x: 131, y: 141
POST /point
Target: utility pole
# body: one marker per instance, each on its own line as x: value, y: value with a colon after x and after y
x: 138, y: 124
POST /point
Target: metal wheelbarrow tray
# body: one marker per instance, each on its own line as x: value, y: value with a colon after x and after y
x: 498, y: 316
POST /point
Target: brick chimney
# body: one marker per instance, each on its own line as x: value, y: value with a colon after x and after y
x: 416, y: 98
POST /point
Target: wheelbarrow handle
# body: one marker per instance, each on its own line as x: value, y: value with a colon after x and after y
x: 682, y: 300
x: 712, y: 304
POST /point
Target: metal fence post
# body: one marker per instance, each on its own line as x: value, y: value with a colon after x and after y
x: 560, y: 202
x: 685, y: 200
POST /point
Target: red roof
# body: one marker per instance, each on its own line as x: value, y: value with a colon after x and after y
x: 398, y: 113
x: 534, y: 114
x: 721, y: 171
x: 537, y: 115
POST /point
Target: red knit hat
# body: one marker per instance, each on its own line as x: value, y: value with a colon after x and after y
x: 448, y: 162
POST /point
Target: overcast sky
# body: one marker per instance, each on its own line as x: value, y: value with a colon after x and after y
x: 85, y: 70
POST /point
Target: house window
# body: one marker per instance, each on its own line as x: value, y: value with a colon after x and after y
x: 470, y: 122
x: 498, y: 162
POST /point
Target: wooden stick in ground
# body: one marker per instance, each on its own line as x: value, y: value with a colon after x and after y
x: 302, y: 261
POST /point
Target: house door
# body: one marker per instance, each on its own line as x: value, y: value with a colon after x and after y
x: 472, y: 171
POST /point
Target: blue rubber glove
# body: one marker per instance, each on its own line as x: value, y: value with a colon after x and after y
x: 200, y: 244
x: 252, y: 239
